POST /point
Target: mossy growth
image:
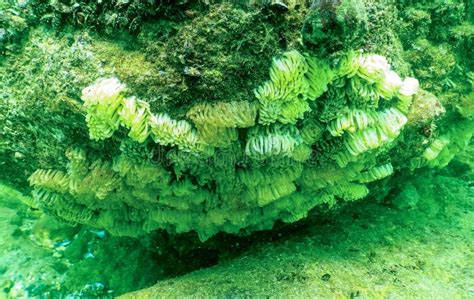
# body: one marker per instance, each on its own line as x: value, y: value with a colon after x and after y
x: 333, y: 26
x: 440, y: 53
x: 109, y: 17
x: 197, y: 51
x: 39, y: 111
x: 434, y: 64
x: 436, y: 36
x: 415, y: 24
x: 12, y: 29
x: 445, y: 15
x: 463, y: 37
x: 383, y: 34
x: 220, y: 53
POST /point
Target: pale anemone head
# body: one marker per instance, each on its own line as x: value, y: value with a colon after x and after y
x: 129, y: 111
x: 390, y: 84
x: 104, y: 89
x: 373, y: 67
x: 392, y: 80
x: 409, y: 87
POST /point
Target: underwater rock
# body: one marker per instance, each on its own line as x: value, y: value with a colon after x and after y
x: 312, y: 131
x: 203, y: 121
x: 268, y: 178
x: 335, y: 25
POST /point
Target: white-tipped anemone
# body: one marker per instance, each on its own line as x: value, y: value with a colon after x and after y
x: 390, y: 84
x: 102, y: 89
x: 372, y: 67
x: 409, y: 87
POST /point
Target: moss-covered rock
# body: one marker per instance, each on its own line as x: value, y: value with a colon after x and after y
x: 333, y: 26
x: 203, y: 137
x: 220, y: 53
x: 383, y: 34
x: 12, y: 29
x: 432, y: 61
x: 342, y: 114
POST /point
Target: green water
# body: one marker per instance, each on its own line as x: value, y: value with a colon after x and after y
x: 276, y: 148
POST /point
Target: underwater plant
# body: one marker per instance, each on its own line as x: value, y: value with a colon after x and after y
x: 312, y: 137
x: 227, y: 118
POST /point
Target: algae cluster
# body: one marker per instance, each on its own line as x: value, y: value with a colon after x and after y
x: 235, y: 117
x: 265, y: 173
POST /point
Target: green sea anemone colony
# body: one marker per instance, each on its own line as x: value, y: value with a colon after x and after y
x: 313, y: 136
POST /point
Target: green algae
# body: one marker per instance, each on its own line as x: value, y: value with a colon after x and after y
x: 173, y: 56
x: 41, y: 79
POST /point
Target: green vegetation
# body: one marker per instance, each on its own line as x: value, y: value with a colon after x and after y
x: 265, y: 175
x: 174, y: 122
x: 309, y: 136
x: 333, y: 26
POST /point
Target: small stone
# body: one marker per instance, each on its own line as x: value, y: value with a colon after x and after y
x: 326, y: 277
